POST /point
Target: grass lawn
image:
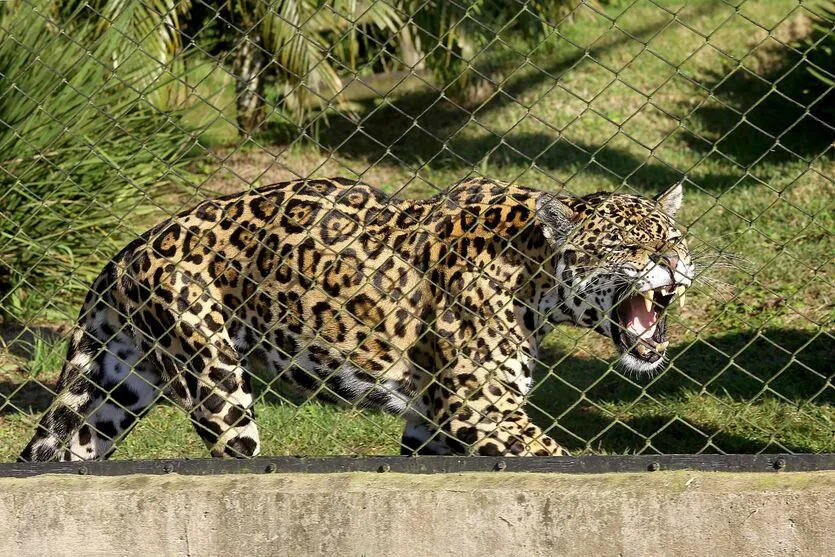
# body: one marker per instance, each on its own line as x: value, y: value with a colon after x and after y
x: 633, y: 106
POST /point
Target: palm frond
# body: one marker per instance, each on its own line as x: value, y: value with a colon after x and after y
x: 299, y: 33
x: 80, y: 148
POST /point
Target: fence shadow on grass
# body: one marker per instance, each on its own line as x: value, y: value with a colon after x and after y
x: 418, y: 127
x: 797, y: 364
x: 388, y: 136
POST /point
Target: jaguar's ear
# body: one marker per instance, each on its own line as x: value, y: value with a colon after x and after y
x: 556, y: 218
x: 670, y: 200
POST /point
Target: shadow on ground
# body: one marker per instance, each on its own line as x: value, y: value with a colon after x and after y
x: 777, y: 365
x: 20, y: 340
x: 784, y: 114
x: 744, y: 117
x: 18, y: 392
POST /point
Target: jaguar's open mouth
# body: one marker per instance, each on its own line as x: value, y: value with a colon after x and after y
x: 641, y: 331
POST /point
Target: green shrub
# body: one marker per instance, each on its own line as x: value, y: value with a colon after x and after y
x: 80, y: 148
x: 822, y: 44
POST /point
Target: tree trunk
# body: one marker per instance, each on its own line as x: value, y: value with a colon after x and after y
x: 410, y: 50
x: 247, y: 68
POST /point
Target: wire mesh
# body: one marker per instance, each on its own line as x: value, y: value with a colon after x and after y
x: 477, y: 297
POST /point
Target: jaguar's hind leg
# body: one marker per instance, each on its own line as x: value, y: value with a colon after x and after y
x: 104, y: 388
x: 190, y: 343
x: 223, y: 412
x: 212, y: 383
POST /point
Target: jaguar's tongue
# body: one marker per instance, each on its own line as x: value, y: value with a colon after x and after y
x: 639, y: 320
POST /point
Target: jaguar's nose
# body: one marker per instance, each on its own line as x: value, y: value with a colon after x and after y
x: 669, y: 260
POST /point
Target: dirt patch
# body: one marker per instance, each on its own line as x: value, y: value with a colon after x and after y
x: 253, y: 168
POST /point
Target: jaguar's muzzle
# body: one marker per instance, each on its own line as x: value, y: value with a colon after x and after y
x: 640, y: 324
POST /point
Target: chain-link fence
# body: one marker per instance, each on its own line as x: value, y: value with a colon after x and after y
x: 477, y: 297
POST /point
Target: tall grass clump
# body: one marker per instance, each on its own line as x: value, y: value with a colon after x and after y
x: 822, y: 44
x: 81, y: 147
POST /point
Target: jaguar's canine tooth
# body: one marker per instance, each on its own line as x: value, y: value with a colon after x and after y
x: 661, y: 346
x: 642, y: 350
x: 680, y: 293
x: 648, y: 299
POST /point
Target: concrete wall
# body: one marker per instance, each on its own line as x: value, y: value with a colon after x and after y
x: 661, y: 513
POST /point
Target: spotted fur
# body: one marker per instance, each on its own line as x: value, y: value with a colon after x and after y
x: 430, y: 309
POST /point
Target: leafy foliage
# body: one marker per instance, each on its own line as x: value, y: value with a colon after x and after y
x: 80, y: 148
x: 823, y: 45
x: 455, y: 38
x: 307, y: 47
x: 303, y: 46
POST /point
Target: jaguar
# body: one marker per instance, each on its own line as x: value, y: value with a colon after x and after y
x: 432, y: 309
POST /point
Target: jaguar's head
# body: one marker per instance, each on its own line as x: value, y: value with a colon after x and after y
x: 619, y: 262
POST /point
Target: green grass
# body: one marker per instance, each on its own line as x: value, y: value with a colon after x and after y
x: 753, y: 352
